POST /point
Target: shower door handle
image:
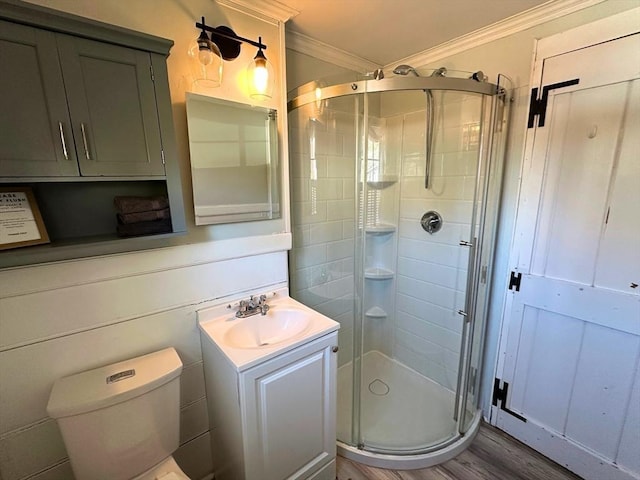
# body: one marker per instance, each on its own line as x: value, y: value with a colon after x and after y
x: 467, y: 314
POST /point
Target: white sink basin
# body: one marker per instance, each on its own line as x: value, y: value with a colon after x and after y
x: 259, y: 331
x: 247, y: 342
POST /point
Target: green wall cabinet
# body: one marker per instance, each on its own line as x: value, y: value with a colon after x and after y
x: 85, y: 116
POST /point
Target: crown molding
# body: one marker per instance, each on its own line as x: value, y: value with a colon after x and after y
x: 509, y: 26
x: 269, y: 8
x: 320, y: 50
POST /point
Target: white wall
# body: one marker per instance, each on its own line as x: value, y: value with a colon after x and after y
x: 60, y: 319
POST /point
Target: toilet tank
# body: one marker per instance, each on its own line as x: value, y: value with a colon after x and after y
x: 120, y: 420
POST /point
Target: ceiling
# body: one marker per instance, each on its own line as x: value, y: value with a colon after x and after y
x: 384, y: 31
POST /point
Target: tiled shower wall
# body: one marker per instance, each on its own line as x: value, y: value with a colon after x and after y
x: 423, y: 331
x: 431, y: 277
x: 321, y: 270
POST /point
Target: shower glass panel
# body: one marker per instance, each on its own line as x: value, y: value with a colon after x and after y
x: 415, y: 283
x: 323, y: 142
x: 411, y: 303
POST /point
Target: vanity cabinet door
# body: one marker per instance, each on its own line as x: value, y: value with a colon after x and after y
x: 112, y: 102
x: 290, y: 412
x: 35, y: 129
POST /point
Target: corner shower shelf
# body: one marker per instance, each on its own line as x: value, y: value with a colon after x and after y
x: 380, y: 229
x: 376, y: 312
x: 384, y: 182
x: 378, y: 273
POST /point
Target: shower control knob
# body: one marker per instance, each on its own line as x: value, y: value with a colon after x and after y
x: 431, y: 222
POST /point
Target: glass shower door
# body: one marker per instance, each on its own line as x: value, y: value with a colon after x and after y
x: 414, y: 283
x: 322, y: 152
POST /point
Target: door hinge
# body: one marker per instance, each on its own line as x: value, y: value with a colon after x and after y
x: 538, y: 106
x: 162, y: 156
x: 153, y: 77
x: 514, y: 281
x: 500, y: 395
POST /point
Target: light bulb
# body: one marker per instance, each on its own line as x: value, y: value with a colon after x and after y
x: 205, y: 52
x: 260, y: 80
x: 261, y: 77
x: 206, y: 64
x: 205, y: 56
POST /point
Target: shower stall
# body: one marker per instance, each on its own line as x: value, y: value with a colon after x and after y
x: 395, y: 185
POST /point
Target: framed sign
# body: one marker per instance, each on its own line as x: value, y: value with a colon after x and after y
x: 21, y: 224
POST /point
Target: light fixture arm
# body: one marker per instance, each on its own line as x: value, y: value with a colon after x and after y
x: 227, y: 40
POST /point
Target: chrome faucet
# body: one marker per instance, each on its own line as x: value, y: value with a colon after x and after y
x: 253, y: 306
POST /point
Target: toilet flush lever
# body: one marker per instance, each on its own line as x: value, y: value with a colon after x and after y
x: 116, y: 377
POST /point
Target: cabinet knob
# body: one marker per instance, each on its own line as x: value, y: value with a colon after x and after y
x: 334, y: 349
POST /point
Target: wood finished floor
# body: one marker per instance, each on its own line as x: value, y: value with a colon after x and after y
x: 493, y: 455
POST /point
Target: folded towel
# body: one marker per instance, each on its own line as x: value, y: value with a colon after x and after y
x: 148, y: 216
x: 144, y: 228
x: 140, y: 204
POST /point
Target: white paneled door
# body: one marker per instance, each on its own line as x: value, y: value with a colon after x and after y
x: 570, y: 347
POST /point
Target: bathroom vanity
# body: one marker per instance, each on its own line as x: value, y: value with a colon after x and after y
x: 271, y: 390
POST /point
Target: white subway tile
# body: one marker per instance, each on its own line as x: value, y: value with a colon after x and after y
x: 340, y: 209
x: 304, y: 213
x: 436, y: 335
x: 443, y: 317
x: 342, y: 167
x: 326, y: 189
x: 310, y: 255
x: 325, y: 232
x: 340, y: 250
x: 441, y: 296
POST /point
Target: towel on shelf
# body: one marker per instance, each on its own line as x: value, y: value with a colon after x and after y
x: 140, y: 204
x: 137, y: 216
x: 144, y: 228
x: 147, y: 216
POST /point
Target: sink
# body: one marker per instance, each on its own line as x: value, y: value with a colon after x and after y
x: 247, y: 342
x: 259, y: 331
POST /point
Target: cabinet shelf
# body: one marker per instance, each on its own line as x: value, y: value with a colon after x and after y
x: 378, y: 273
x: 23, y: 180
x: 380, y: 229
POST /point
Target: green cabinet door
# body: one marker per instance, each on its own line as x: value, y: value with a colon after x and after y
x: 112, y: 103
x: 35, y: 130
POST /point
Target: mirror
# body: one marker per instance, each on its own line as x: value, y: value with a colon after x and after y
x: 234, y: 160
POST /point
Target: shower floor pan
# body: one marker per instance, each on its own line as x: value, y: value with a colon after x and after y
x: 402, y: 413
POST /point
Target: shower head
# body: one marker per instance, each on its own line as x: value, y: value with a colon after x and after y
x: 378, y: 74
x: 440, y: 72
x: 405, y: 70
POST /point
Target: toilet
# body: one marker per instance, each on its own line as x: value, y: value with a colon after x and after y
x: 121, y: 422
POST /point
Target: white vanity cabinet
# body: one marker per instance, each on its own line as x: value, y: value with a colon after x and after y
x: 274, y: 420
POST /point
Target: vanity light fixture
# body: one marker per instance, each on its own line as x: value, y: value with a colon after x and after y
x: 206, y: 61
x: 222, y: 43
x: 260, y: 75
